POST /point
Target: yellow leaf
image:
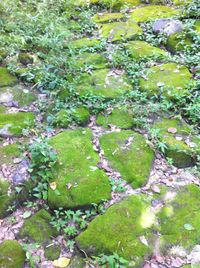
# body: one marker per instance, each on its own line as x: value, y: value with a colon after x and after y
x: 53, y: 185
x: 61, y: 262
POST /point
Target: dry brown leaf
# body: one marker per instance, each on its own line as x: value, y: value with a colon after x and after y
x: 61, y: 262
x: 53, y: 185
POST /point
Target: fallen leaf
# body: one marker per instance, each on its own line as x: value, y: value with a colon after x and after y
x: 26, y: 214
x: 172, y: 130
x: 160, y: 84
x: 53, y: 185
x: 188, y: 227
x: 61, y: 262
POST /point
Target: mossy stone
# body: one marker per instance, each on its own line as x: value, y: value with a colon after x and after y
x: 25, y: 58
x: 119, y: 229
x: 167, y: 79
x: 90, y: 60
x: 9, y: 152
x: 107, y: 17
x: 6, y: 79
x: 141, y: 50
x: 17, y: 94
x: 81, y: 115
x: 62, y: 119
x: 153, y: 12
x: 176, y: 42
x: 117, y: 31
x: 118, y: 4
x: 77, y: 262
x: 128, y: 154
x: 13, y: 124
x: 79, y: 182
x: 104, y: 83
x: 6, y: 198
x: 122, y: 118
x: 182, y: 154
x: 52, y: 252
x: 85, y: 43
x: 181, y: 2
x: 11, y: 254
x: 37, y: 228
x: 180, y: 219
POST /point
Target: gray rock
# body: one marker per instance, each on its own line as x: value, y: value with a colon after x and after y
x: 21, y: 173
x: 167, y: 26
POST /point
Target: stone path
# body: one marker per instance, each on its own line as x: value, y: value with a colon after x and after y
x: 120, y: 185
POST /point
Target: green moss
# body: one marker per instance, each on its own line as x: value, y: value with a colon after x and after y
x: 25, y: 58
x: 182, y: 155
x: 37, y: 228
x: 62, y: 119
x: 2, y: 109
x: 84, y: 43
x: 117, y: 31
x: 18, y: 94
x: 81, y: 115
x: 3, y: 54
x: 119, y: 229
x: 104, y: 83
x: 91, y: 61
x: 11, y: 254
x: 141, y: 49
x: 79, y: 182
x: 77, y: 262
x: 6, y: 79
x: 184, y: 211
x: 176, y: 42
x: 118, y: 4
x: 153, y: 12
x: 128, y: 154
x: 13, y: 124
x: 197, y: 26
x: 107, y: 17
x: 181, y: 2
x: 5, y: 197
x: 121, y: 118
x: 9, y: 152
x: 52, y: 252
x: 167, y: 79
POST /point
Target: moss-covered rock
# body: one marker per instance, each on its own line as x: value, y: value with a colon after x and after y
x: 62, y: 119
x: 141, y: 49
x: 13, y: 124
x: 25, y: 58
x: 77, y: 262
x: 84, y: 43
x: 119, y: 231
x: 9, y: 152
x: 11, y: 254
x: 52, y: 252
x: 104, y: 83
x: 167, y: 79
x: 37, y: 228
x: 178, y: 42
x: 129, y: 154
x: 178, y: 136
x: 122, y: 118
x: 6, y: 197
x: 79, y: 182
x: 181, y: 2
x: 107, y: 17
x: 115, y: 4
x: 153, y: 12
x: 180, y: 219
x: 91, y: 61
x: 6, y: 79
x: 81, y: 115
x: 117, y: 31
x: 16, y: 95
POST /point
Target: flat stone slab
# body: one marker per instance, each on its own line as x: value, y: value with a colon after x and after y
x: 12, y: 124
x: 182, y: 144
x: 167, y: 79
x: 79, y: 182
x: 91, y: 61
x: 119, y: 31
x: 120, y: 230
x: 141, y: 50
x: 167, y: 26
x: 153, y: 12
x: 104, y: 83
x: 129, y: 154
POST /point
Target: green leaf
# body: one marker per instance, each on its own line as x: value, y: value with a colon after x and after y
x: 189, y: 227
x: 26, y: 214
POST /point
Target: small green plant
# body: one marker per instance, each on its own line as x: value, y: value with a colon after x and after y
x: 118, y: 186
x: 155, y: 137
x: 111, y: 261
x: 31, y: 258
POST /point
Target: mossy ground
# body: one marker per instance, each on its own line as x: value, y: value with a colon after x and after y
x: 167, y: 79
x: 6, y: 198
x: 103, y: 83
x: 13, y: 124
x: 118, y: 231
x: 38, y: 228
x: 52, y: 252
x: 8, y: 153
x: 79, y: 182
x: 11, y: 254
x: 6, y: 79
x: 177, y: 149
x: 129, y: 154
